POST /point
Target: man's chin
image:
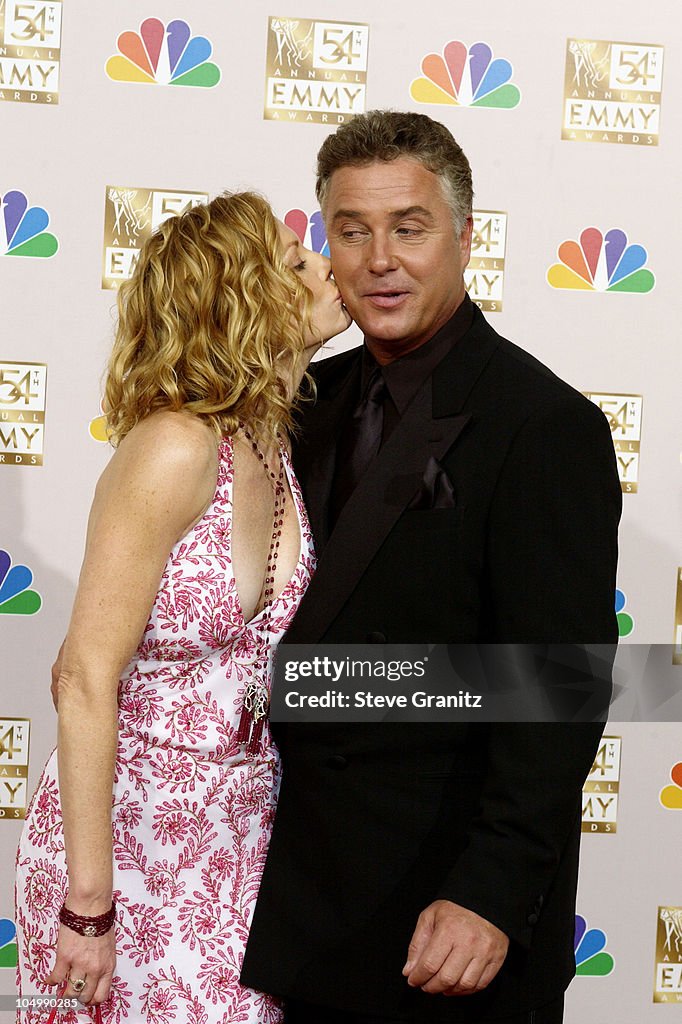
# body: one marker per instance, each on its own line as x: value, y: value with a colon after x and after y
x: 387, y: 327
x: 386, y: 338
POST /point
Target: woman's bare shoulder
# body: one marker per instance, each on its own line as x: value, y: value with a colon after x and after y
x: 169, y: 460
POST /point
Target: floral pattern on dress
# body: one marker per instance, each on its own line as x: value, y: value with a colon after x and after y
x: 191, y: 812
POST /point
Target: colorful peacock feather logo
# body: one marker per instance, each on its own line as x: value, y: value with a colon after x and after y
x: 8, y: 943
x: 590, y: 958
x: 24, y: 228
x: 15, y: 597
x: 466, y: 78
x: 143, y: 58
x: 626, y: 623
x: 311, y: 228
x: 98, y: 427
x: 671, y: 796
x: 601, y: 263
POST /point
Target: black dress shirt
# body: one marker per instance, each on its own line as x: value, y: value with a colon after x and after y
x: 405, y: 376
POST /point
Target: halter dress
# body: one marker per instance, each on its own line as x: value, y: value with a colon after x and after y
x: 192, y: 811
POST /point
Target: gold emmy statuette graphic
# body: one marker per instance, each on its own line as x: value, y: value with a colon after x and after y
x: 612, y: 92
x: 624, y: 413
x: 677, y: 639
x: 600, y: 792
x: 668, y: 982
x: 484, y: 277
x: 14, y: 742
x: 130, y: 216
x: 30, y: 41
x: 22, y: 413
x: 316, y: 71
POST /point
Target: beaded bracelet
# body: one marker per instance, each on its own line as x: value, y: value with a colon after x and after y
x: 88, y: 926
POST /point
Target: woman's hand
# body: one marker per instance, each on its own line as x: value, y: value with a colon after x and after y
x: 84, y: 958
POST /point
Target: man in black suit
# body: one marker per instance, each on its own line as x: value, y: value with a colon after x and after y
x: 459, y: 493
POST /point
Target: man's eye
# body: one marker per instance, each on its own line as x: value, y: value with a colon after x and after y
x: 409, y: 231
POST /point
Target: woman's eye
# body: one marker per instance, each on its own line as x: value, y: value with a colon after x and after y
x: 300, y: 266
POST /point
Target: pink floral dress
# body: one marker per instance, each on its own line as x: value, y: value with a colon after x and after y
x: 192, y: 812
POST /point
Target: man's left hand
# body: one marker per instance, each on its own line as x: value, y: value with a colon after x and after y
x: 454, y: 951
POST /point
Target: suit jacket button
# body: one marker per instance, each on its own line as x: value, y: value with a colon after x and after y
x: 533, y: 919
x: 338, y: 762
x: 376, y: 638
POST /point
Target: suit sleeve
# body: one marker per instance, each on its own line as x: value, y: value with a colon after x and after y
x: 551, y: 568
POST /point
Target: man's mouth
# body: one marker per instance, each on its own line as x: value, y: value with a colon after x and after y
x: 387, y: 299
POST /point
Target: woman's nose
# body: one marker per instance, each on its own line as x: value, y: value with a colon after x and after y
x: 325, y: 266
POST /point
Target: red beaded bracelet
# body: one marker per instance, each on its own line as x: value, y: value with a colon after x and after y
x: 89, y: 926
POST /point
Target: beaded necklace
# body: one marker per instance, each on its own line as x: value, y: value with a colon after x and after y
x: 256, y: 693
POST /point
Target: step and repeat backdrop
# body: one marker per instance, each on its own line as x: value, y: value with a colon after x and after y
x: 115, y: 117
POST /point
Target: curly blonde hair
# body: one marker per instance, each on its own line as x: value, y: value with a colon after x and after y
x: 211, y: 321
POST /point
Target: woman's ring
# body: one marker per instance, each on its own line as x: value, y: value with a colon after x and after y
x: 78, y: 984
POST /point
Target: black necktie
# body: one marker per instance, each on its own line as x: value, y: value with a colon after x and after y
x: 360, y: 443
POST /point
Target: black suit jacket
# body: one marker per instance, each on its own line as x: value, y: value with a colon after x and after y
x: 376, y: 821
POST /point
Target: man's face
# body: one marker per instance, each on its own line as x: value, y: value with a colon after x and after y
x: 395, y: 254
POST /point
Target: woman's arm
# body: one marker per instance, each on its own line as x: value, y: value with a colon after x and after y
x: 158, y: 484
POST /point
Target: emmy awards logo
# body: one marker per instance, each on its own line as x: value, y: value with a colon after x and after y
x: 316, y: 71
x: 612, y: 92
x: 30, y: 40
x: 668, y: 988
x: 14, y: 742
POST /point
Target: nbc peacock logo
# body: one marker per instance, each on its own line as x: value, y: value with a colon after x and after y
x: 310, y: 229
x: 22, y: 227
x: 625, y: 621
x: 591, y: 959
x: 98, y: 429
x: 8, y: 943
x: 671, y: 795
x: 15, y: 596
x: 466, y: 77
x: 163, y: 55
x: 601, y: 263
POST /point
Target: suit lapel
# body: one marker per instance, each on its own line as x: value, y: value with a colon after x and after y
x: 371, y: 511
x: 315, y: 451
x: 429, y: 428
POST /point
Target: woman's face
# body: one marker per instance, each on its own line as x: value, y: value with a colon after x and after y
x: 328, y: 314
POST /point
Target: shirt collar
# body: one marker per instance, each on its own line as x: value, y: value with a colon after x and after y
x: 405, y: 376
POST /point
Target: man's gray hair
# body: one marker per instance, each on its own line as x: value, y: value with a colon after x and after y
x: 389, y: 134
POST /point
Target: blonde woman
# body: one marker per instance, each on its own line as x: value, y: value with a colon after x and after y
x: 197, y: 555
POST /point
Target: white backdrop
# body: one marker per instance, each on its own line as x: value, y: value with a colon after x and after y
x: 65, y: 149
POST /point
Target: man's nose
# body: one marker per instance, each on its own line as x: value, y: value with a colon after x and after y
x: 380, y: 256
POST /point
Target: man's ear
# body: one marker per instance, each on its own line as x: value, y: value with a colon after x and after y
x: 465, y: 241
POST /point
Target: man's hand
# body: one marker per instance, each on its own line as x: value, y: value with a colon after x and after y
x: 56, y: 670
x: 454, y: 951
